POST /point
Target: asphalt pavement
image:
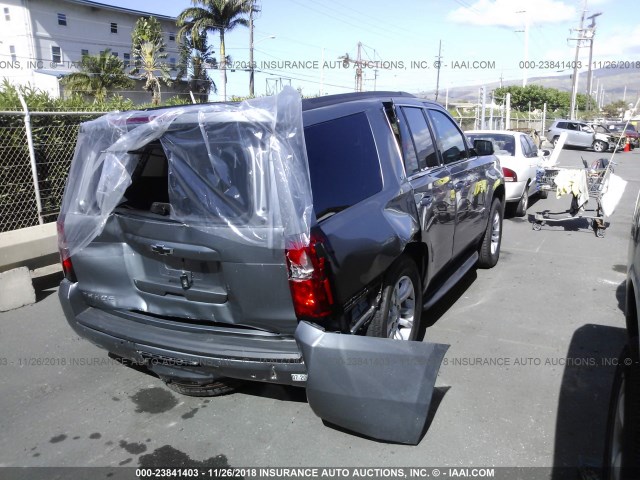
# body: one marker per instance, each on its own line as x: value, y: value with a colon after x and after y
x: 525, y: 383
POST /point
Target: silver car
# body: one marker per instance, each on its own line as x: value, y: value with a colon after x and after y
x: 579, y: 134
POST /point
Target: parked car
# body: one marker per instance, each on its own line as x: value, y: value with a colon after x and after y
x: 622, y: 443
x: 612, y: 137
x: 626, y: 129
x: 189, y: 271
x: 579, y: 134
x: 520, y: 160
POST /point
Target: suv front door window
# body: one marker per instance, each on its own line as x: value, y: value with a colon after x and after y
x: 431, y: 188
x: 466, y: 177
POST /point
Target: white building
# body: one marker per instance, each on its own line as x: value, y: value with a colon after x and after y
x: 43, y: 40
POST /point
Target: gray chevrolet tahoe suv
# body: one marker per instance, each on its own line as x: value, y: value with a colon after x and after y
x: 403, y: 207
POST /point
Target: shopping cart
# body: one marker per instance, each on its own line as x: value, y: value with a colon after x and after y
x: 597, y: 180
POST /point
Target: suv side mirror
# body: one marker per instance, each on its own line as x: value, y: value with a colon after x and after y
x: 483, y: 147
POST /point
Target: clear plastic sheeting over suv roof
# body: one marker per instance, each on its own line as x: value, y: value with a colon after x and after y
x: 239, y: 169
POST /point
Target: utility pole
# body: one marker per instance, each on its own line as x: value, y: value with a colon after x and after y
x: 251, y: 68
x: 526, y: 45
x: 591, y: 31
x: 322, y: 75
x: 439, y: 64
x: 507, y: 109
x: 359, y: 63
x: 574, y: 91
x: 359, y: 68
x: 483, y: 96
x: 491, y: 112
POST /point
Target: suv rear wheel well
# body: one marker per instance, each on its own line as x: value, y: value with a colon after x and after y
x: 419, y: 253
x: 499, y: 193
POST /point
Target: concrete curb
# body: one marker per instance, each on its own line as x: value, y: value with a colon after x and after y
x: 32, y: 247
x: 23, y: 250
x: 16, y: 289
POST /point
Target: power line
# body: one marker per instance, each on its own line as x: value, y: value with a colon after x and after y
x: 387, y: 26
x: 339, y: 19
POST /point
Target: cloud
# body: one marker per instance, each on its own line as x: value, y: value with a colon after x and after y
x: 504, y: 13
x: 621, y: 46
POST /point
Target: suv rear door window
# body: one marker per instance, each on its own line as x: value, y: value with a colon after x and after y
x: 408, y: 148
x: 343, y: 163
x: 421, y: 136
x: 451, y: 144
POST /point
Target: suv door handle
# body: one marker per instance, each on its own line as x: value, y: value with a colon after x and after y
x: 422, y: 199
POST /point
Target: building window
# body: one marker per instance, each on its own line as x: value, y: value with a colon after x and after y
x: 115, y: 54
x: 172, y: 36
x: 12, y: 51
x: 56, y: 54
x: 62, y: 19
x: 172, y: 62
x: 114, y: 27
x: 84, y: 52
x: 127, y: 59
x: 7, y: 17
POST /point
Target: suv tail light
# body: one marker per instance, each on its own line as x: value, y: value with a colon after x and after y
x: 309, y: 279
x: 509, y: 175
x: 67, y: 265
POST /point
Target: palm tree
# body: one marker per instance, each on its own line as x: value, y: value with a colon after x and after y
x: 215, y: 16
x: 148, y: 53
x: 98, y: 75
x: 195, y: 57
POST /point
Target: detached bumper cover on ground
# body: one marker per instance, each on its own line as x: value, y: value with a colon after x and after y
x: 378, y: 387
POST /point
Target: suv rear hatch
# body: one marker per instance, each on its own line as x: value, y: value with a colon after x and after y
x: 179, y: 213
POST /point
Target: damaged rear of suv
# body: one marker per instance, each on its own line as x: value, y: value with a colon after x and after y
x: 272, y: 240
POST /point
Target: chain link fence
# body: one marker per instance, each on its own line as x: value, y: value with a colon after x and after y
x: 25, y: 180
x: 53, y: 147
x: 517, y: 121
x: 18, y: 206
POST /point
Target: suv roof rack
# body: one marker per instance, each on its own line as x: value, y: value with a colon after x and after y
x: 317, y: 102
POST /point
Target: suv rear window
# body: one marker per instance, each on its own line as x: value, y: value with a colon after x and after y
x: 343, y: 163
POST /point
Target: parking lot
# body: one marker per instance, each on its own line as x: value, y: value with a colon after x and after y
x: 525, y: 382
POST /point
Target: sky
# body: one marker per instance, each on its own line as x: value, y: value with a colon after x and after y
x: 482, y: 41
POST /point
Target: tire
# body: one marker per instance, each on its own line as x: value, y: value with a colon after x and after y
x: 622, y: 448
x: 600, y: 146
x: 523, y: 204
x: 218, y: 387
x: 399, y: 318
x: 554, y: 141
x: 489, y: 251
